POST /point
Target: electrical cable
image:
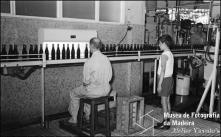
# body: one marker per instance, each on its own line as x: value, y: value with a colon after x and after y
x: 24, y: 76
x: 19, y: 72
x: 123, y: 37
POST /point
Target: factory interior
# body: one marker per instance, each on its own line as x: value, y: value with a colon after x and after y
x: 46, y: 46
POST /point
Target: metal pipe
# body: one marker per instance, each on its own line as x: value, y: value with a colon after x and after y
x: 210, y: 15
x: 189, y: 4
x: 212, y: 96
x: 43, y: 91
x: 42, y: 98
x: 180, y: 6
x: 155, y: 76
x: 204, y: 94
x: 141, y: 76
x: 138, y: 58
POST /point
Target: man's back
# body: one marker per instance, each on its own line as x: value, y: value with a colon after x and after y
x: 98, y: 71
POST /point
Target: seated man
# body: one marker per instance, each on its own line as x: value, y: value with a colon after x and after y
x: 97, y: 74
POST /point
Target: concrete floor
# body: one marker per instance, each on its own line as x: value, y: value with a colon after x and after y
x: 37, y: 130
x: 208, y: 127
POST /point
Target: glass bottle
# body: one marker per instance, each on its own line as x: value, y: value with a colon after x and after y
x: 107, y: 48
x: 78, y: 52
x: 63, y: 52
x: 119, y: 47
x: 58, y: 52
x: 114, y: 47
x: 10, y: 51
x: 47, y: 52
x: 125, y: 47
x: 4, y: 51
x: 15, y: 51
x: 111, y: 47
x: 36, y: 51
x: 86, y: 52
x: 40, y: 51
x: 31, y: 51
x: 53, y: 52
x: 72, y: 52
x: 24, y: 51
x: 68, y: 52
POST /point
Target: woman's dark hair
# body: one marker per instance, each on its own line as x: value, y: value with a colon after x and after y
x: 167, y: 39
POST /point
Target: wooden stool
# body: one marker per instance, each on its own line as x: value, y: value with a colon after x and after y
x: 94, y: 102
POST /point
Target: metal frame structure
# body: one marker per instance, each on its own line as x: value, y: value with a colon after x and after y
x: 212, y: 78
x: 137, y: 56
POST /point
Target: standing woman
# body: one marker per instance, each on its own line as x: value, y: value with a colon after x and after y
x: 165, y: 79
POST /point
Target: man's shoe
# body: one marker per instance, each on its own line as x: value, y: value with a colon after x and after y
x: 163, y: 125
x: 159, y: 124
x: 167, y: 120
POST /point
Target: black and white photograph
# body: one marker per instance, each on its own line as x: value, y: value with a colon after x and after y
x: 110, y: 68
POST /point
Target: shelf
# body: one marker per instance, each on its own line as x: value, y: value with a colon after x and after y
x: 21, y: 63
x: 123, y: 58
x: 65, y: 61
x: 120, y: 57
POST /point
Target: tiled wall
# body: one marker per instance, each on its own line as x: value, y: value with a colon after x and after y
x: 21, y: 99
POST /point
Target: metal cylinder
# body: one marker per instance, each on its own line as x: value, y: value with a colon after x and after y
x: 182, y: 85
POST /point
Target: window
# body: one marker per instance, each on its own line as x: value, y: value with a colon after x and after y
x: 95, y: 11
x: 110, y: 11
x: 196, y: 15
x: 79, y: 9
x: 36, y: 8
x: 5, y: 6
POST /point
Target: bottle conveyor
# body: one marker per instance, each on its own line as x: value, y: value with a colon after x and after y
x: 113, y: 56
x: 49, y: 36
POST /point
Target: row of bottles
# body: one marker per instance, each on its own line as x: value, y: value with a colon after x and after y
x: 144, y: 47
x: 64, y: 51
x: 34, y: 53
x: 187, y: 46
x: 127, y: 47
x: 13, y: 52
